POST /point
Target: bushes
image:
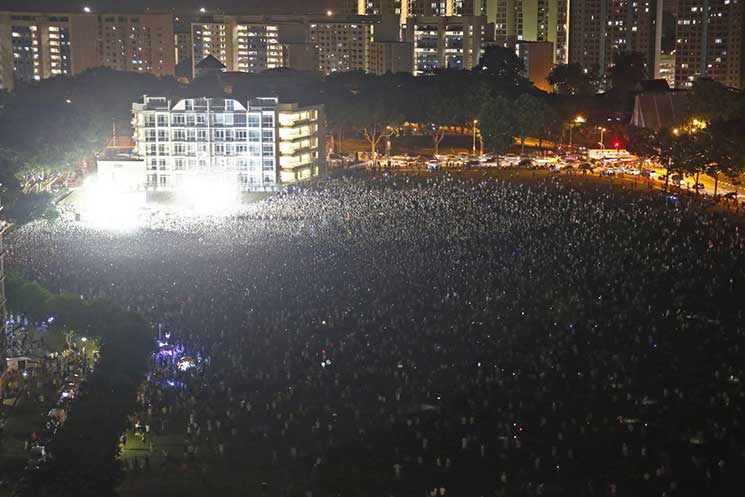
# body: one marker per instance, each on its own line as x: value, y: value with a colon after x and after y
x: 84, y: 451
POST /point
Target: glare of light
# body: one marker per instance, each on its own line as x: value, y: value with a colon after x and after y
x: 202, y: 10
x: 209, y: 195
x: 329, y: 13
x: 67, y: 100
x: 104, y: 206
x: 84, y: 339
x: 580, y: 119
x: 87, y: 9
x: 185, y: 364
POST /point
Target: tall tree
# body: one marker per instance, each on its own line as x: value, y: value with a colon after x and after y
x: 711, y: 101
x: 724, y: 150
x: 570, y: 79
x: 374, y: 119
x: 502, y: 71
x: 446, y: 105
x: 497, y: 125
x: 528, y: 111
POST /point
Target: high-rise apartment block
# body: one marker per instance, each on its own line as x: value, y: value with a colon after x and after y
x: 33, y: 47
x: 710, y: 42
x: 441, y: 42
x: 36, y: 46
x: 257, y: 43
x: 600, y: 29
x: 140, y: 43
x: 342, y: 46
x: 533, y: 20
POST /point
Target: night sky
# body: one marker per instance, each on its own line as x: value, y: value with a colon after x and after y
x: 180, y: 6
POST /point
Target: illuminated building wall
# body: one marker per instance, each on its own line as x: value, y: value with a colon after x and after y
x: 301, y: 142
x: 258, y: 47
x: 138, y: 43
x: 538, y: 59
x: 257, y: 43
x: 214, y: 36
x: 709, y: 41
x: 182, y: 44
x: 34, y: 47
x: 600, y: 29
x: 445, y: 42
x: 342, y: 46
x: 253, y: 145
x: 665, y: 68
x: 533, y: 20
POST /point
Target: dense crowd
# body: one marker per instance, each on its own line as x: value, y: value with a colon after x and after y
x: 436, y: 336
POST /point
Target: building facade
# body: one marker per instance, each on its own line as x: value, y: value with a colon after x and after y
x: 709, y: 42
x: 258, y: 43
x: 600, y: 29
x: 440, y: 42
x: 249, y: 146
x: 33, y: 47
x: 36, y: 46
x: 532, y: 20
x: 665, y: 68
x: 341, y: 45
x: 182, y: 44
x: 214, y: 36
x: 138, y: 43
x: 391, y: 57
x: 538, y: 59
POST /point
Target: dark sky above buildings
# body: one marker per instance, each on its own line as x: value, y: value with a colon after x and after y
x: 180, y: 6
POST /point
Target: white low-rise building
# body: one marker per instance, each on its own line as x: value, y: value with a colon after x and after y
x: 222, y: 142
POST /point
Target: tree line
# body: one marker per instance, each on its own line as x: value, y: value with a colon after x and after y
x: 49, y: 125
x: 708, y: 139
x: 83, y: 454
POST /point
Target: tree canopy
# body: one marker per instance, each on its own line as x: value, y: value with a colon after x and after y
x: 84, y: 451
x: 570, y: 79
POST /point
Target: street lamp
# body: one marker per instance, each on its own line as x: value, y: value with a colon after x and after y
x: 602, y: 132
x: 577, y: 121
x: 475, y: 122
x: 388, y: 142
x: 87, y: 9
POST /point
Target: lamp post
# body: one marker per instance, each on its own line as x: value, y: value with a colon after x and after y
x: 389, y: 132
x: 473, y: 149
x: 577, y: 121
x: 602, y: 132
